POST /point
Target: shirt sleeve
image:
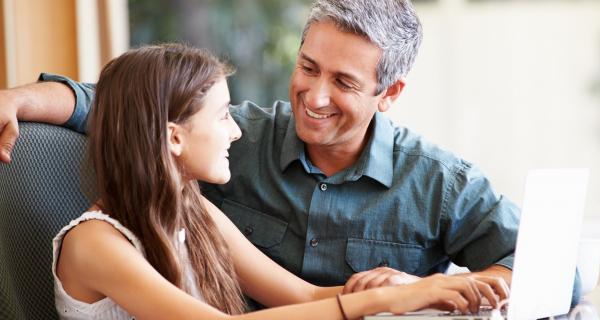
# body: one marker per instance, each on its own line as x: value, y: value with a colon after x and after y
x: 84, y: 94
x: 480, y: 226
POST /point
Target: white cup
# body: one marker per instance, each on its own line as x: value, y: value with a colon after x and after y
x: 588, y: 263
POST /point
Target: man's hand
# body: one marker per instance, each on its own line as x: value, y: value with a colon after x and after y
x: 9, y: 127
x: 493, y: 282
x: 48, y: 102
x: 378, y: 277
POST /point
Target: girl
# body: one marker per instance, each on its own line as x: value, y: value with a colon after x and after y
x: 153, y: 246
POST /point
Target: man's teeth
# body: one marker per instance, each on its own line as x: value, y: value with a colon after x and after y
x: 316, y: 115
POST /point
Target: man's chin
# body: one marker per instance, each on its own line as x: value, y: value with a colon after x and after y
x: 313, y: 139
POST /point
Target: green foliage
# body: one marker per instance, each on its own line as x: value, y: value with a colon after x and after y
x: 151, y: 21
x: 259, y: 37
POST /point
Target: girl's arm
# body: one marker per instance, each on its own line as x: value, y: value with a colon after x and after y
x: 98, y: 261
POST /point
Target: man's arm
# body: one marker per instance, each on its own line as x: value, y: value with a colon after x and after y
x: 479, y: 228
x: 495, y: 271
x: 49, y: 102
x: 57, y: 100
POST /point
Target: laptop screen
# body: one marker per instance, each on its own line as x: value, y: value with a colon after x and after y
x: 546, y: 253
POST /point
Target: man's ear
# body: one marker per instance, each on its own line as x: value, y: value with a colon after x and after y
x: 175, y: 138
x: 390, y: 95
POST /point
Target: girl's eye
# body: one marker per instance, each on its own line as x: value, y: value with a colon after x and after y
x: 226, y: 116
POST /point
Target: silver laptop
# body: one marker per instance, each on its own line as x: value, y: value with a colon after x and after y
x: 546, y: 252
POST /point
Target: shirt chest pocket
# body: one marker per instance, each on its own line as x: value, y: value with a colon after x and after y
x: 261, y: 229
x: 365, y: 254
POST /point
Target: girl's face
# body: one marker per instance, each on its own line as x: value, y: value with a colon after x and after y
x: 201, y: 144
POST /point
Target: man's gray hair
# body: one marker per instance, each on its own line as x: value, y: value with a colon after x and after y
x: 392, y: 25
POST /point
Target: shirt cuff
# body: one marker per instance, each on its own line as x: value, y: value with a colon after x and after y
x: 84, y: 94
x: 507, y: 261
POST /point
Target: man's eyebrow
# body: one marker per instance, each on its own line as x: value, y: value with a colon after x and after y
x: 307, y: 58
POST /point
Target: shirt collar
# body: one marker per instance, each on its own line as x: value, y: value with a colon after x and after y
x: 376, y: 160
x: 293, y: 147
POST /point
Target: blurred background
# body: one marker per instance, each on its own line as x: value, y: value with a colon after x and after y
x: 507, y: 84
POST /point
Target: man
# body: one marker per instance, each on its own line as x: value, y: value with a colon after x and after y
x: 325, y: 185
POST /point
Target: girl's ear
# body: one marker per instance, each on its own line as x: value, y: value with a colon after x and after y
x: 175, y: 138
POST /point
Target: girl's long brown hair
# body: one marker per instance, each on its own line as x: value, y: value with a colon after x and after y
x: 138, y: 180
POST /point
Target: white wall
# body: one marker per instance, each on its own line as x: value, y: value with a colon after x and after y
x: 508, y: 86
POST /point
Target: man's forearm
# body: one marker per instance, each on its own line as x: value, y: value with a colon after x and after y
x: 48, y: 102
x: 497, y: 271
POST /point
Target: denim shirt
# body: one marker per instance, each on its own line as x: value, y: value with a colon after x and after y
x: 405, y: 203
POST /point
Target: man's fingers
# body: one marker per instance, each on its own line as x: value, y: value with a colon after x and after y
x: 445, y: 305
x: 378, y: 277
x: 362, y: 283
x: 468, y: 288
x: 487, y: 291
x: 462, y: 293
x: 498, y: 284
x: 385, y: 278
x: 503, y: 289
x: 4, y: 157
x: 8, y: 138
x: 474, y: 296
x: 351, y: 283
x: 454, y: 297
x: 375, y: 278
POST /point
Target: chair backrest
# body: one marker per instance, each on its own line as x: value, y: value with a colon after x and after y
x: 48, y: 183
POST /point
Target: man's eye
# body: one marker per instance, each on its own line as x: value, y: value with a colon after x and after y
x: 307, y: 69
x: 344, y: 86
x: 226, y: 116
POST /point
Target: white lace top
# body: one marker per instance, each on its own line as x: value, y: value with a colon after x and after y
x: 70, y: 308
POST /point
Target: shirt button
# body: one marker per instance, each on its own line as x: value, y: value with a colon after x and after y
x: 248, y: 230
x: 384, y: 263
x: 314, y: 242
x: 323, y: 187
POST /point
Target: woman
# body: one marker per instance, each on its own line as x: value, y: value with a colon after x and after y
x: 153, y: 246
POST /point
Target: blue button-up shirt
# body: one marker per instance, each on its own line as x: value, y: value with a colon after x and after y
x: 405, y: 203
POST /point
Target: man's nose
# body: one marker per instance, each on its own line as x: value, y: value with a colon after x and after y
x: 318, y: 95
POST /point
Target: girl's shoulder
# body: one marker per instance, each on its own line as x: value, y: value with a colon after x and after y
x: 85, y: 245
x: 85, y: 239
x: 88, y: 253
x: 91, y: 229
